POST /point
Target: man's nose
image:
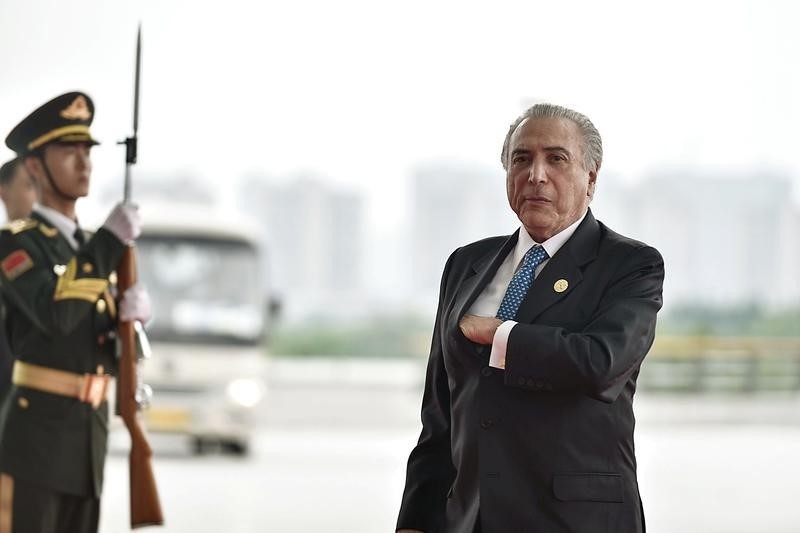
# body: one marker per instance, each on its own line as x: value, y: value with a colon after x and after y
x: 537, y: 173
x: 84, y: 156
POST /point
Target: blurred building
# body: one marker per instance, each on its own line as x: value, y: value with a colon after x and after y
x: 452, y: 204
x: 726, y: 240
x: 313, y: 233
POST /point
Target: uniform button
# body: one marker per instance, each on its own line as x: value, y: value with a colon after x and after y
x: 101, y: 306
x: 23, y: 402
x: 87, y: 268
x: 486, y: 371
x: 486, y: 423
x: 112, y: 278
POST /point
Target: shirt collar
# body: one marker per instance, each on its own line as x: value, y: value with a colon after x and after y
x: 551, y: 245
x: 63, y: 223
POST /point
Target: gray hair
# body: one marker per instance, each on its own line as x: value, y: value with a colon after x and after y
x: 592, y: 143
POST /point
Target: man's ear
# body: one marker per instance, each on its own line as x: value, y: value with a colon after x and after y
x: 34, y: 167
x: 592, y: 184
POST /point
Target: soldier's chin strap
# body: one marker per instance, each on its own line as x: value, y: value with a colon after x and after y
x: 40, y: 155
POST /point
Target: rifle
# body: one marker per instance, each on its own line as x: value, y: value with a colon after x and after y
x: 145, y: 504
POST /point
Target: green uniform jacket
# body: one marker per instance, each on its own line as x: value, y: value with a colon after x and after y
x: 60, y: 314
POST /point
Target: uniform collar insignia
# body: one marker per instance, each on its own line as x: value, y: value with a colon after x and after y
x: 48, y: 231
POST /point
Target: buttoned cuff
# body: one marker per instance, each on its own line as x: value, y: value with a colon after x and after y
x: 497, y: 358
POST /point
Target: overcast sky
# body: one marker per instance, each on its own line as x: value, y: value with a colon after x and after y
x: 361, y: 91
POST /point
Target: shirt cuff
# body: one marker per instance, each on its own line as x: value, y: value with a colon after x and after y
x: 497, y: 358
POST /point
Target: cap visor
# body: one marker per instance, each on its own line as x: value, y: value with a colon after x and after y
x: 77, y: 138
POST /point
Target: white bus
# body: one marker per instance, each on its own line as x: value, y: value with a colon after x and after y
x: 206, y: 279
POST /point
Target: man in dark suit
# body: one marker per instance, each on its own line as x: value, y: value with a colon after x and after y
x: 58, y: 283
x: 527, y: 418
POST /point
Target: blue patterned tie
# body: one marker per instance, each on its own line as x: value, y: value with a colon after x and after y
x: 520, y: 283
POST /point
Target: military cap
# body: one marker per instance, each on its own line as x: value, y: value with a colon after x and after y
x: 65, y: 118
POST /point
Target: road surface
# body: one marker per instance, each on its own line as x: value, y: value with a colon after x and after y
x: 330, y: 453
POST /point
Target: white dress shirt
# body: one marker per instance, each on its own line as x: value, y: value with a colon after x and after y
x: 62, y: 223
x: 488, y: 302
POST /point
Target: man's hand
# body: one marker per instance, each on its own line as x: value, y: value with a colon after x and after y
x: 124, y: 222
x: 479, y: 329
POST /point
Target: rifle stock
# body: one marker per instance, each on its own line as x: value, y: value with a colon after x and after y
x: 145, y: 504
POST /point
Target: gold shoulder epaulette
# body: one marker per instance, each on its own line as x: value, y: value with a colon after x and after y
x: 20, y: 225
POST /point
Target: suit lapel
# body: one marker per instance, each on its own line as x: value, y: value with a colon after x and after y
x: 482, y: 272
x: 563, y: 272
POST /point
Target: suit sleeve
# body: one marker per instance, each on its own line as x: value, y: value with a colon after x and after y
x: 430, y: 466
x: 55, y: 302
x: 598, y: 359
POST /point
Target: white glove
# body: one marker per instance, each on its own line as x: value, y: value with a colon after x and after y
x: 135, y: 305
x: 124, y: 222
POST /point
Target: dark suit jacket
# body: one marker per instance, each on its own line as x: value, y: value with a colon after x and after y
x: 546, y: 445
x: 55, y: 320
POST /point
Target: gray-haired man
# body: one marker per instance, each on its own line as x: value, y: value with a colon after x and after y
x: 527, y: 419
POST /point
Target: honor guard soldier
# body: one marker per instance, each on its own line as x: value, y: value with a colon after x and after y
x: 18, y: 194
x: 58, y: 282
x: 17, y: 190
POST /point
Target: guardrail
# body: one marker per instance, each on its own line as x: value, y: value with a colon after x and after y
x: 733, y: 364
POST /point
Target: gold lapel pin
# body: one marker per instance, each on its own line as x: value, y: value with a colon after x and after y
x: 560, y: 285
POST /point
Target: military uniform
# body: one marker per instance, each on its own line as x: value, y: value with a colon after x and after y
x: 60, y: 317
x: 6, y: 360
